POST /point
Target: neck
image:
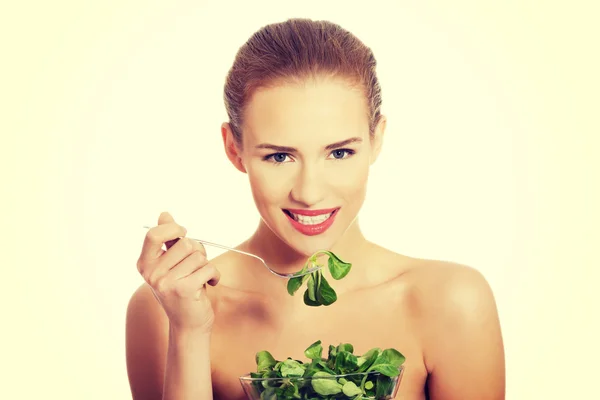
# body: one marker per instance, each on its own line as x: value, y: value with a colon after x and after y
x: 285, y: 259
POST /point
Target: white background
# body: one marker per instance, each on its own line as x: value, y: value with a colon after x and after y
x: 111, y: 113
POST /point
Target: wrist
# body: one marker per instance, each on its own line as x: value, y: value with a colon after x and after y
x: 188, y: 334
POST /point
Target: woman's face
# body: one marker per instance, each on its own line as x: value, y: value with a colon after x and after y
x: 307, y: 153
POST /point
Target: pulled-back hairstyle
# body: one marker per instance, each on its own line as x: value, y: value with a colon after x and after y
x: 293, y: 51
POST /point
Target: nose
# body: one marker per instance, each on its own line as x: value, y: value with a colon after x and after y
x: 309, y: 185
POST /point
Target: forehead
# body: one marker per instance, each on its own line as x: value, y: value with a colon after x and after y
x: 326, y: 109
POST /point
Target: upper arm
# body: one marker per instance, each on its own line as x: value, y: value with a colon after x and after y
x: 146, y: 345
x: 464, y: 350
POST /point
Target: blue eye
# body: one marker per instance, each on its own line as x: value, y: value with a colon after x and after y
x: 276, y: 158
x: 340, y: 154
x: 279, y: 157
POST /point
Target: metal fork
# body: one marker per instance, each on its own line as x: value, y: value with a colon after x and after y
x: 271, y: 270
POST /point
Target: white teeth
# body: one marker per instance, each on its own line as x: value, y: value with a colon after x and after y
x: 306, y: 220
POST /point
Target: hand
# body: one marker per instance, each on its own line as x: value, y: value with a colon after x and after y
x: 178, y: 276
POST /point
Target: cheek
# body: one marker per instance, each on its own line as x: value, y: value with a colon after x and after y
x: 350, y: 179
x: 265, y: 187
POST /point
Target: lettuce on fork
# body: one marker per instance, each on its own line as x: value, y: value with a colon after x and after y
x: 318, y: 291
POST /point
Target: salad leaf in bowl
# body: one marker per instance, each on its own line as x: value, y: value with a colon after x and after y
x: 342, y: 375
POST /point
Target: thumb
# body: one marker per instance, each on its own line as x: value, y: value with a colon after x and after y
x: 165, y: 218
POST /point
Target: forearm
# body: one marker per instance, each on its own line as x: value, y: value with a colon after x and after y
x: 187, y: 374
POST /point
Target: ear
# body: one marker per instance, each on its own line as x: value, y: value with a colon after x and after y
x: 231, y: 147
x: 377, y: 140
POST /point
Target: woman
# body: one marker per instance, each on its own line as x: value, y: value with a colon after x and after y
x: 305, y: 126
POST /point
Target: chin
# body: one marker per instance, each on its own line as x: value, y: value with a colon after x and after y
x: 308, y: 248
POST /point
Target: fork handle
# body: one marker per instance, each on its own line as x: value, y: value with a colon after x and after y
x: 227, y: 248
x: 212, y: 244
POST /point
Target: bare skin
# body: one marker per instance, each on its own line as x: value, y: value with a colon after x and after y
x: 196, y: 325
x: 440, y: 315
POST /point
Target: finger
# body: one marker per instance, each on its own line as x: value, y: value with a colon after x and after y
x: 198, y: 246
x: 207, y: 274
x: 188, y: 266
x: 157, y: 236
x: 165, y: 218
x: 176, y: 254
x: 196, y: 281
x: 180, y: 250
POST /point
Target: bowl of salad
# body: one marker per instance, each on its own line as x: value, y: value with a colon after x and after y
x: 342, y: 375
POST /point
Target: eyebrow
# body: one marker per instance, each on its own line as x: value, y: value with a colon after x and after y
x: 286, y: 149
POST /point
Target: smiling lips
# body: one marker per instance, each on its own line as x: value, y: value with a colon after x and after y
x: 311, y: 222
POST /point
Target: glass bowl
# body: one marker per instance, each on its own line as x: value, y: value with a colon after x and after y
x: 363, y: 385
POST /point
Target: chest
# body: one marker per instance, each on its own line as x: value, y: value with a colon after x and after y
x: 364, y: 321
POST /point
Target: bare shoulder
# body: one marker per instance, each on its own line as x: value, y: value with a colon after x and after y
x: 451, y: 293
x: 433, y: 276
x: 456, y: 285
x: 460, y: 330
x: 147, y: 332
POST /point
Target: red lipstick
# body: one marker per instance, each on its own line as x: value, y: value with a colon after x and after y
x: 314, y: 229
x: 311, y: 213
